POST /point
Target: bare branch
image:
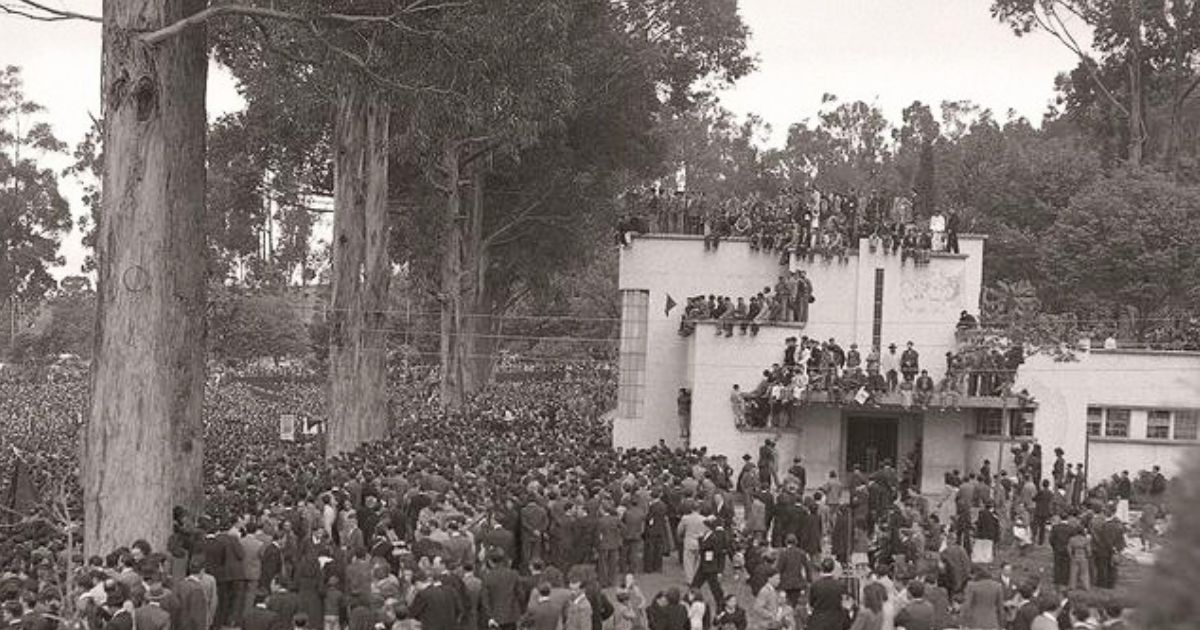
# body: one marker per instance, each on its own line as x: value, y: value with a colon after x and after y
x: 200, y: 17
x: 1063, y: 35
x: 51, y: 14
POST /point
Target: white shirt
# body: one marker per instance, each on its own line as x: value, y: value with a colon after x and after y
x: 937, y: 223
x: 890, y: 361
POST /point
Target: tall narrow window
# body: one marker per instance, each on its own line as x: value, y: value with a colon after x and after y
x: 631, y: 391
x: 1095, y: 417
x: 1186, y: 423
x: 877, y: 317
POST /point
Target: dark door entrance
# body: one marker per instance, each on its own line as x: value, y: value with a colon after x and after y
x: 870, y: 441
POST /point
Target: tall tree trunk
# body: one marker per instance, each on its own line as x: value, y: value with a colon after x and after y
x: 451, y: 289
x: 1137, y: 125
x: 475, y: 261
x: 143, y: 449
x: 361, y: 272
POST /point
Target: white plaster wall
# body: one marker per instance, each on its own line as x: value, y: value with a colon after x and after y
x: 942, y: 447
x: 1109, y: 457
x: 921, y: 304
x: 1140, y: 380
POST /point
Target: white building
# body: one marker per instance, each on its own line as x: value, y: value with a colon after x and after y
x: 874, y: 300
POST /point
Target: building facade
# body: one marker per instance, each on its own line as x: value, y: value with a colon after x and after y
x: 872, y: 299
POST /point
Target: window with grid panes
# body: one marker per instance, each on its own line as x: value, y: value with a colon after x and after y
x: 1116, y: 423
x: 1095, y: 417
x: 1158, y: 425
x: 989, y: 422
x: 1187, y: 421
x: 1020, y: 423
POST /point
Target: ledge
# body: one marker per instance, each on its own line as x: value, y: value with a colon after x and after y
x: 1143, y: 441
x: 717, y: 322
x: 1143, y: 351
x: 999, y: 438
x: 893, y: 401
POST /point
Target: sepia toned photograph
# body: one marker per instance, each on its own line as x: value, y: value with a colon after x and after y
x: 599, y: 314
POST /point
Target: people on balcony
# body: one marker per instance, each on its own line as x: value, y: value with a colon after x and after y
x: 807, y: 223
x: 787, y: 302
x: 809, y: 366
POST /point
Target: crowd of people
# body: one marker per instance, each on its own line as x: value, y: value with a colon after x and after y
x: 787, y: 302
x: 808, y: 223
x: 514, y: 510
x: 984, y: 366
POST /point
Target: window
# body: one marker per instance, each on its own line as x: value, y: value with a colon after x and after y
x: 989, y: 422
x: 1020, y: 423
x: 1186, y: 423
x: 1094, y: 416
x: 1116, y: 423
x: 877, y: 316
x: 631, y: 390
x: 1158, y: 425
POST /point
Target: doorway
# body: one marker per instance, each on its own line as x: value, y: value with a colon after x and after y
x: 870, y: 441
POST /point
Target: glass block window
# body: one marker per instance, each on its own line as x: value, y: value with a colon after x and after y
x: 631, y: 386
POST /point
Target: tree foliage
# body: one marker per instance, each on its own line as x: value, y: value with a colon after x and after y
x: 247, y: 325
x: 1126, y: 245
x: 33, y: 215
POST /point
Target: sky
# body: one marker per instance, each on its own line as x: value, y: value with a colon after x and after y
x: 886, y: 52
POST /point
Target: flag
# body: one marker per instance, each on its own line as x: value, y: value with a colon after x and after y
x: 670, y: 305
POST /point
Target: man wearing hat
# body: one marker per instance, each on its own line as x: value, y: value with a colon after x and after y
x: 910, y: 362
x: 151, y: 615
x: 1059, y: 472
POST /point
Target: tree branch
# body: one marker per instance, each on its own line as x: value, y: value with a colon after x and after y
x: 200, y: 17
x: 1064, y: 36
x: 52, y: 14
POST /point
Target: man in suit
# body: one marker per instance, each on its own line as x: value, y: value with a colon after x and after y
x: 713, y: 549
x: 546, y: 612
x: 910, y: 362
x: 252, y: 547
x: 1107, y: 544
x: 193, y: 602
x: 793, y: 569
x: 499, y: 596
x: 270, y: 560
x: 535, y: 521
x: 223, y: 555
x: 657, y: 532
x: 983, y: 602
x: 151, y: 615
x: 609, y: 538
x: 826, y: 597
x: 917, y: 614
x: 633, y: 525
x: 1060, y: 534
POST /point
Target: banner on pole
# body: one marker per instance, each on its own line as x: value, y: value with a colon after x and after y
x: 287, y: 427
